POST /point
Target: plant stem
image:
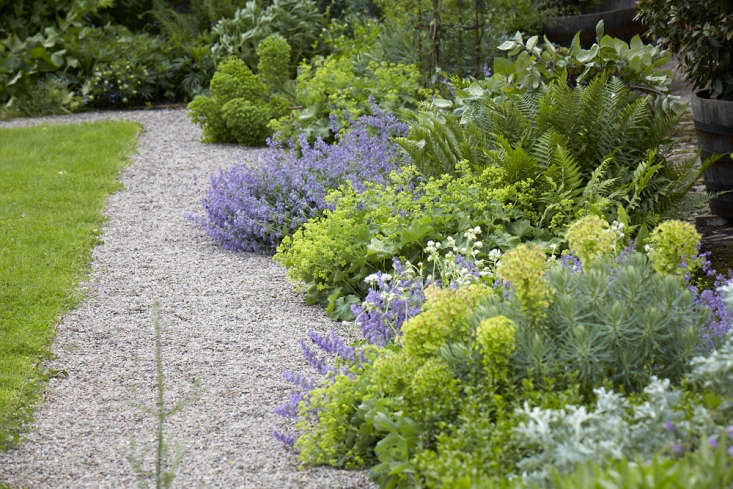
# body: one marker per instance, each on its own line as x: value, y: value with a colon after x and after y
x: 160, y: 401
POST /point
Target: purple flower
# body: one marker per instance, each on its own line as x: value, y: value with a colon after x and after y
x: 251, y: 207
x: 713, y: 443
x: 285, y: 438
x: 334, y: 345
x: 290, y: 408
x: 388, y: 304
x: 316, y: 362
x: 572, y: 262
x: 670, y: 426
x: 299, y: 380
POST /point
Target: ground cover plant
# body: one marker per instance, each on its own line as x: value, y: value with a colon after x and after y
x: 252, y: 208
x: 537, y: 359
x: 53, y: 183
x: 332, y: 254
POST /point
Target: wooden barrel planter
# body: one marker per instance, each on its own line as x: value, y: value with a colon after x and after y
x: 714, y: 127
x: 618, y: 21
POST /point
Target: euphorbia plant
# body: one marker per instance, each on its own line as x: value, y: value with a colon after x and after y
x: 701, y: 33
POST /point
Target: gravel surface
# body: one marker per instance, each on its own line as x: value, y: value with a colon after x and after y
x: 232, y: 321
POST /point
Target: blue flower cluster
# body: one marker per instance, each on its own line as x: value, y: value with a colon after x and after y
x: 720, y: 320
x: 251, y: 208
x: 392, y: 299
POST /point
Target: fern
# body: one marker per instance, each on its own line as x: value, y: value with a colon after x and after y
x: 592, y: 148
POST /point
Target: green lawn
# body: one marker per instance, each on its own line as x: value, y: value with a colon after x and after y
x: 54, y: 181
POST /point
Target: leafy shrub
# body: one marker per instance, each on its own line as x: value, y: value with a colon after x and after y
x: 246, y: 121
x: 273, y: 54
x: 178, y: 22
x: 443, y: 319
x: 347, y: 88
x: 589, y: 149
x: 524, y: 268
x: 334, y: 253
x: 532, y: 65
x: 380, y: 407
x: 253, y: 208
x: 701, y: 33
x: 611, y: 428
x: 240, y: 105
x: 50, y: 95
x: 591, y: 237
x: 298, y: 21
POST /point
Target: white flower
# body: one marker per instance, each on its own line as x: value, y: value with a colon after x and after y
x: 370, y: 279
x: 386, y: 277
x: 494, y: 254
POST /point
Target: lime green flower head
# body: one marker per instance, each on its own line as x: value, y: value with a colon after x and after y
x: 590, y: 237
x: 525, y: 267
x: 673, y: 248
x: 496, y: 338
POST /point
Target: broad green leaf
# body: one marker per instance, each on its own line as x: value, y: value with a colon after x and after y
x: 503, y: 66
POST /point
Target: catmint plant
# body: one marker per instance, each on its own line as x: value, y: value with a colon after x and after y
x: 251, y: 208
x: 393, y: 298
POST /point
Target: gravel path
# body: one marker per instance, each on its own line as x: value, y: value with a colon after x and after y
x: 232, y: 321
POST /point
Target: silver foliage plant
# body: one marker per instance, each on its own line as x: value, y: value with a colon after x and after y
x: 614, y: 427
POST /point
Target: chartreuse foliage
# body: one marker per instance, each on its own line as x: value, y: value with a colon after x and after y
x: 591, y: 237
x: 589, y: 149
x: 242, y: 103
x: 53, y: 183
x: 345, y: 86
x: 673, y: 243
x: 333, y: 254
x: 479, y: 386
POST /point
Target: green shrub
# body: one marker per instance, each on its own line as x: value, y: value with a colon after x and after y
x: 586, y: 150
x: 615, y: 322
x: 246, y: 121
x: 274, y: 57
x: 444, y: 317
x: 50, y: 95
x: 334, y: 253
x: 206, y: 112
x: 240, y: 106
x: 591, y: 237
x: 703, y: 469
x: 524, y: 267
x: 532, y: 65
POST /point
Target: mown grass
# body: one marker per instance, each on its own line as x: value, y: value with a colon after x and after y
x: 54, y: 181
